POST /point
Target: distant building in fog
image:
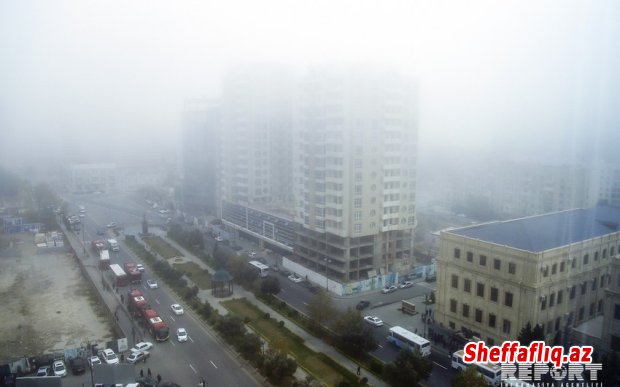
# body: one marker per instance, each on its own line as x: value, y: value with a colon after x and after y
x: 199, y: 156
x: 89, y: 178
x: 355, y: 172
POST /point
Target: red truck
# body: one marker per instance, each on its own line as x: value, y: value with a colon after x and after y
x: 136, y: 302
x: 97, y: 245
x: 135, y: 275
x: 158, y: 328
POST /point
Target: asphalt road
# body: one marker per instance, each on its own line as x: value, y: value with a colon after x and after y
x: 185, y: 363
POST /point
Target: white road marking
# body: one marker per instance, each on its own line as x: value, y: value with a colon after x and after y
x: 213, y: 364
x: 172, y: 318
x: 380, y: 346
x: 439, y: 365
x: 190, y: 339
x: 157, y: 301
x: 305, y: 303
x: 193, y: 369
x: 172, y: 342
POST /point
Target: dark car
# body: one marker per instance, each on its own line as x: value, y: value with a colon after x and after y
x: 362, y: 305
x: 77, y: 365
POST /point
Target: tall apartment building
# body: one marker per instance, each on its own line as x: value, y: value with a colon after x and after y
x: 255, y: 165
x: 354, y: 172
x: 199, y: 155
x: 549, y: 269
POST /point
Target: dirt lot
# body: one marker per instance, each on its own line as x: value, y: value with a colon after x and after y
x: 46, y: 303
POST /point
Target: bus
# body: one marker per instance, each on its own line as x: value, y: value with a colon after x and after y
x: 261, y: 268
x: 492, y: 373
x: 405, y: 339
x: 119, y: 275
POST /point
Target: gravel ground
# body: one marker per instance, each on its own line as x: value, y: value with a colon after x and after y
x: 47, y: 304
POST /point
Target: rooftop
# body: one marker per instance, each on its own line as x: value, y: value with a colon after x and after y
x: 549, y: 231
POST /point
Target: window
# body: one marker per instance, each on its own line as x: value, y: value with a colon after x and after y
x: 581, y: 310
x: 604, y: 253
x: 452, y: 325
x: 596, y: 255
x: 357, y: 203
x: 457, y: 253
x: 586, y: 258
x: 611, y: 251
x: 512, y: 268
x: 584, y: 288
x: 492, y: 319
x: 465, y: 310
x: 508, y: 299
x: 573, y: 263
x: 480, y: 290
x: 594, y: 284
x: 453, y: 306
x: 358, y: 189
x: 562, y: 267
x: 506, y: 327
x: 494, y: 294
x: 602, y: 281
x: 455, y: 281
x: 470, y: 256
x: 552, y: 300
x: 600, y: 306
x: 592, y: 306
x: 467, y: 285
x: 572, y: 292
x: 560, y: 295
x: 543, y: 303
x: 478, y: 315
x: 554, y: 268
x: 617, y: 311
x: 357, y: 228
x: 497, y: 264
x: 557, y: 323
x: 483, y: 260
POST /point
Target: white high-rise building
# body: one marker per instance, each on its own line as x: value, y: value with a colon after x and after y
x: 355, y: 172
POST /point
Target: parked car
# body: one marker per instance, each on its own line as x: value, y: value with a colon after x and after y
x: 59, y: 368
x: 252, y: 254
x: 389, y: 289
x: 219, y: 238
x: 177, y: 309
x: 295, y: 278
x: 152, y: 284
x: 181, y: 335
x: 112, y: 225
x: 363, y: 304
x: 44, y: 371
x: 93, y: 360
x: 138, y: 356
x: 140, y: 267
x: 373, y: 320
x: 405, y: 285
x: 142, y: 346
x: 77, y: 365
x: 109, y: 356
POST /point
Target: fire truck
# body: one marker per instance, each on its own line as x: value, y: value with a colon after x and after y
x: 135, y: 275
x: 136, y: 302
x: 155, y: 325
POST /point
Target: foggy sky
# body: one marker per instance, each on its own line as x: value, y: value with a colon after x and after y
x: 520, y: 79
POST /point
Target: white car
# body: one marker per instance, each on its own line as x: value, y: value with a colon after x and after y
x: 295, y: 278
x: 252, y: 254
x: 138, y: 356
x: 389, y: 289
x: 109, y: 356
x: 94, y: 360
x: 152, y: 284
x: 112, y: 225
x: 142, y: 346
x: 219, y: 238
x: 177, y: 309
x: 44, y: 371
x: 59, y: 368
x: 405, y: 285
x: 181, y: 335
x: 140, y: 267
x: 373, y: 320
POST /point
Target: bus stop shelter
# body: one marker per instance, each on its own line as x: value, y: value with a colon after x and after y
x: 222, y: 284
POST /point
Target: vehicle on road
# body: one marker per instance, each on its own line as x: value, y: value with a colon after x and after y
x: 109, y: 357
x: 295, y: 278
x: 492, y: 373
x: 113, y: 245
x: 363, y: 304
x: 405, y: 285
x: 177, y: 309
x: 93, y: 360
x: 59, y: 368
x: 389, y: 289
x: 112, y: 225
x: 151, y: 283
x: 181, y: 335
x: 219, y: 238
x: 373, y: 320
x: 140, y: 267
x: 405, y: 339
x: 77, y: 365
x: 142, y: 346
x: 138, y: 356
x: 44, y: 371
x: 261, y: 268
x: 252, y: 254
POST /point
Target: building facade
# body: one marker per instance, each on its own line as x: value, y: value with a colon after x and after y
x: 552, y: 270
x: 354, y: 172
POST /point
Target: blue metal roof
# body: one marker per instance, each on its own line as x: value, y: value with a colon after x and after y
x: 549, y: 231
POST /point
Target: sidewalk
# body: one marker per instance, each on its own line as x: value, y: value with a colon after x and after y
x: 310, y: 341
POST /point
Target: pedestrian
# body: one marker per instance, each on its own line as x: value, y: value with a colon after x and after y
x: 359, y: 370
x: 141, y: 373
x: 158, y: 378
x: 122, y: 299
x: 144, y: 360
x: 149, y: 371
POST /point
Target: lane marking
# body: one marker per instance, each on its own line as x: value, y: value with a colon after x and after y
x: 172, y: 342
x: 157, y: 301
x: 380, y: 346
x: 439, y: 365
x: 190, y: 339
x: 172, y: 318
x: 213, y: 364
x: 193, y: 369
